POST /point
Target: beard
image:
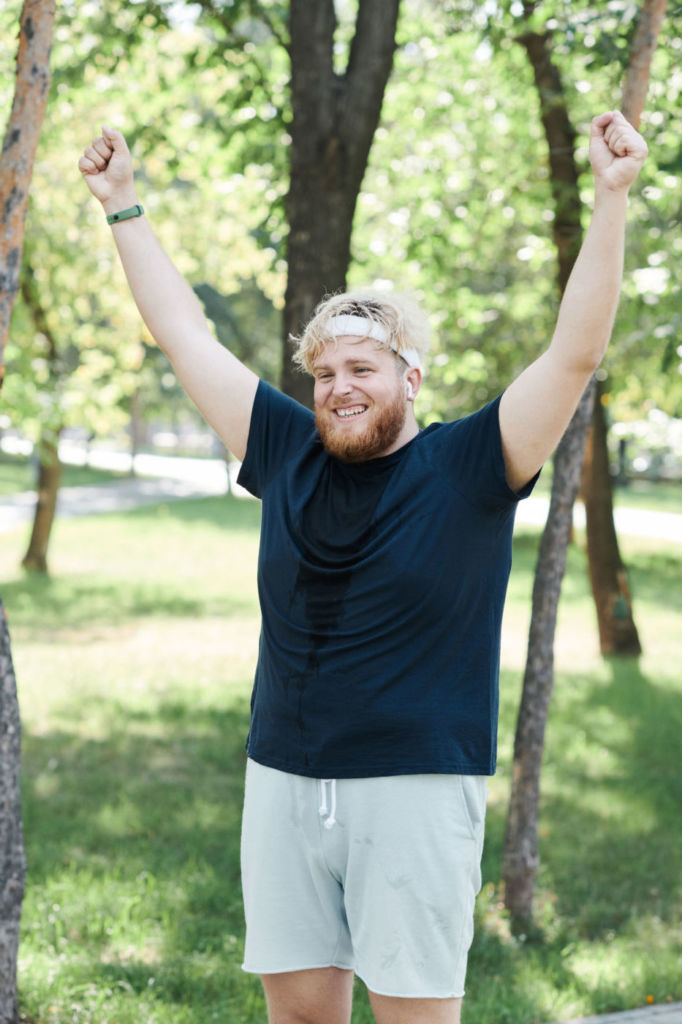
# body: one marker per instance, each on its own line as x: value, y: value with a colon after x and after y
x: 380, y: 433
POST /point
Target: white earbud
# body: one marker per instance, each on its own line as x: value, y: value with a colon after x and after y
x: 410, y: 392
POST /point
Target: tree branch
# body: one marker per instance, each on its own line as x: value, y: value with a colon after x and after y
x: 643, y: 47
x: 264, y: 16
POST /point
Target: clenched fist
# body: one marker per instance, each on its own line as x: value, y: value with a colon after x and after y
x: 617, y: 151
x: 107, y: 169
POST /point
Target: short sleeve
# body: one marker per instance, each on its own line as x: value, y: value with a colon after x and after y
x: 279, y: 425
x: 472, y: 448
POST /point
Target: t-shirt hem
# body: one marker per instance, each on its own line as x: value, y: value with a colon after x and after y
x: 373, y: 771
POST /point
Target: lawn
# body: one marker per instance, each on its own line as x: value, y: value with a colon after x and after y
x: 134, y: 663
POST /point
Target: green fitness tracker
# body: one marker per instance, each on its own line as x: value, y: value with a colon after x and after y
x: 132, y: 211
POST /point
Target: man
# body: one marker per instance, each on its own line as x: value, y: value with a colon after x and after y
x: 385, y: 553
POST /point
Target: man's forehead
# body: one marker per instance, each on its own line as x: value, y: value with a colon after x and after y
x: 349, y: 348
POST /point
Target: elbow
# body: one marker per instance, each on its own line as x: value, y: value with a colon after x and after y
x: 583, y: 360
x: 591, y: 362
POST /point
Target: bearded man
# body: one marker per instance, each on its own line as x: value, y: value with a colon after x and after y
x: 384, y: 559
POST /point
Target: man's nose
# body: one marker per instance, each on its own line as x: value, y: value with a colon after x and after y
x: 342, y: 384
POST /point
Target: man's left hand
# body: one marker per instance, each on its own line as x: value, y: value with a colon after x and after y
x: 617, y: 151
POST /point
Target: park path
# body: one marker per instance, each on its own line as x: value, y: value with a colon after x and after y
x: 663, y: 1013
x: 165, y: 478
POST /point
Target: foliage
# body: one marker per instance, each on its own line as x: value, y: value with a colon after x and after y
x: 455, y: 206
x: 101, y: 345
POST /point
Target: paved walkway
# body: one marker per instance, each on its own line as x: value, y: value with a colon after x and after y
x: 114, y: 496
x: 664, y: 1013
x: 190, y: 478
x: 163, y: 478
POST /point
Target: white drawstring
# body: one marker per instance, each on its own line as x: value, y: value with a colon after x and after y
x: 331, y: 819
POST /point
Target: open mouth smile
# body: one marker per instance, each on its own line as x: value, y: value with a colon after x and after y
x: 350, y: 412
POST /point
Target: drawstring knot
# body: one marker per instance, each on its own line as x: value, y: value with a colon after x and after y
x: 330, y: 811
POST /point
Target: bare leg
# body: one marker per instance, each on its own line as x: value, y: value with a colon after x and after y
x: 391, y: 1010
x: 320, y: 996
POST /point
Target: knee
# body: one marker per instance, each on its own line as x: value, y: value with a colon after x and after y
x: 300, y: 1015
x: 321, y: 996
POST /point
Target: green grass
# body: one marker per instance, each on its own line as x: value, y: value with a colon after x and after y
x: 18, y: 474
x: 660, y: 496
x: 654, y: 495
x: 134, y: 663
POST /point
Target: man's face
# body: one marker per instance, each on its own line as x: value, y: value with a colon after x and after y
x: 360, y: 400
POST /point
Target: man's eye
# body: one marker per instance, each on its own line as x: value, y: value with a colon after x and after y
x: 324, y: 376
x: 362, y: 369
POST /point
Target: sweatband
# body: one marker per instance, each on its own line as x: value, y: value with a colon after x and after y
x: 353, y: 326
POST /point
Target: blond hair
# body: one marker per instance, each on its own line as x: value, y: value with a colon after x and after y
x: 398, y: 316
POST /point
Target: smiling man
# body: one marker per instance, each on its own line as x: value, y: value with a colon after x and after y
x: 384, y: 559
x: 363, y: 394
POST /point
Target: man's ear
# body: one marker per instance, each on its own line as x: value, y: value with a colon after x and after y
x: 413, y: 379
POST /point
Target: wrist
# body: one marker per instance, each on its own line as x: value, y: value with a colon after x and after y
x: 121, y: 201
x: 605, y: 195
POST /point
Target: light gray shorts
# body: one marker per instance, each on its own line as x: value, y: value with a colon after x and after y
x: 374, y: 875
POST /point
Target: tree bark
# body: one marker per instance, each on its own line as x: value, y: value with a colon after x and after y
x: 19, y: 146
x: 521, y: 852
x: 49, y: 472
x: 49, y: 467
x: 16, y: 165
x: 334, y: 120
x: 639, y: 68
x: 12, y: 859
x: 608, y: 573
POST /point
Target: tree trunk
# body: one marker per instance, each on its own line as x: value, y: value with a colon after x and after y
x: 521, y: 858
x: 608, y: 574
x: 19, y: 146
x: 334, y: 120
x: 49, y: 472
x: 12, y: 860
x: 137, y: 429
x: 49, y: 468
x: 16, y: 165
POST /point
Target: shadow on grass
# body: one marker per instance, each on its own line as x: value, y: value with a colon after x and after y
x: 627, y: 825
x: 133, y: 852
x: 611, y: 835
x: 655, y: 577
x: 240, y: 514
x: 77, y: 602
x: 121, y: 798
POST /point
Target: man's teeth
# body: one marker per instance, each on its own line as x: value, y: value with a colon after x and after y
x: 347, y: 413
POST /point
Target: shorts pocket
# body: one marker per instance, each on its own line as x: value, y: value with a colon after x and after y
x: 473, y: 791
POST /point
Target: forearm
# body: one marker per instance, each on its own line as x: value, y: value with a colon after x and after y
x: 167, y: 304
x: 590, y: 300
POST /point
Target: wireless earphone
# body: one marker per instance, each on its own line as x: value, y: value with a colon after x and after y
x: 410, y: 392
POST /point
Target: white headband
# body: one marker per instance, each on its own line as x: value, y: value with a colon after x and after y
x: 360, y: 327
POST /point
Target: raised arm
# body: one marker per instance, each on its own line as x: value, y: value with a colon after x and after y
x: 536, y: 409
x: 220, y: 385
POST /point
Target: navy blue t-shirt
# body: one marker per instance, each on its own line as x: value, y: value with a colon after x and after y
x: 381, y: 587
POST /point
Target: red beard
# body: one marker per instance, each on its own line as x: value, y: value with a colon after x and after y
x: 381, y: 432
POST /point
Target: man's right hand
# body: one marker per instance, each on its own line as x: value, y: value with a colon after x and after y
x: 107, y: 168
x: 221, y: 387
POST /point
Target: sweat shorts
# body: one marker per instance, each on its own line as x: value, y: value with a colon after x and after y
x: 375, y: 875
